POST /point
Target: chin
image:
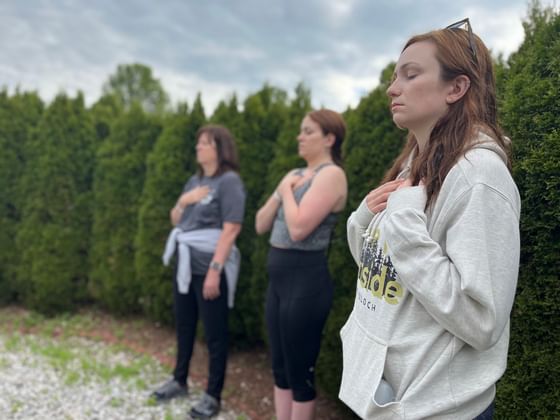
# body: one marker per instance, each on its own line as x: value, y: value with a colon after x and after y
x: 399, y: 122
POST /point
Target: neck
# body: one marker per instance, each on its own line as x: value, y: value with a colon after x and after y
x: 422, y: 137
x: 210, y: 168
x: 313, y: 164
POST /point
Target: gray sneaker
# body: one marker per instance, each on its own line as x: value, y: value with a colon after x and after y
x: 206, y: 408
x: 169, y: 390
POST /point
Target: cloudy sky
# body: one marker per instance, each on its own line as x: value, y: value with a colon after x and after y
x: 217, y: 47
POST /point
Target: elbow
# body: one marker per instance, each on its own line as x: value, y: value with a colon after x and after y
x: 260, y: 226
x: 297, y: 234
x: 484, y: 342
x: 235, y: 231
x: 486, y: 337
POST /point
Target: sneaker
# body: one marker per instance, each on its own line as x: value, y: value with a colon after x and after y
x: 206, y: 408
x: 169, y: 390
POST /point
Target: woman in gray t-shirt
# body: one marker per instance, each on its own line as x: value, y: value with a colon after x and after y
x: 207, y: 219
x: 302, y: 213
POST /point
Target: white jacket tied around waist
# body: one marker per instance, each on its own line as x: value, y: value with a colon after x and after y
x: 203, y: 240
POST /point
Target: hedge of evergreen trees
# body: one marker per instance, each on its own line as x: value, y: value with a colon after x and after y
x: 86, y: 192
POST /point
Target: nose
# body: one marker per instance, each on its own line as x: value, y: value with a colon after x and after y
x: 299, y: 136
x: 392, y: 90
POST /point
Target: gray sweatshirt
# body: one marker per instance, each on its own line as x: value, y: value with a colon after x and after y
x: 434, y: 294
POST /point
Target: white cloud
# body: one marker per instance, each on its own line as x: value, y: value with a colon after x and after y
x: 501, y: 30
x: 338, y: 11
x: 339, y: 90
x: 336, y: 47
x: 184, y: 87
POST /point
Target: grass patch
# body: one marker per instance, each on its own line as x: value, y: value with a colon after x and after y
x: 126, y: 372
x: 72, y: 378
x: 12, y: 343
x: 16, y: 406
x: 4, y: 363
x: 58, y: 354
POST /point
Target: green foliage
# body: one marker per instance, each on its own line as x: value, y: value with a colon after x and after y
x: 262, y: 119
x: 104, y: 112
x: 118, y: 184
x: 372, y: 144
x: 169, y: 165
x: 530, y: 110
x: 134, y: 83
x: 19, y: 115
x: 53, y: 237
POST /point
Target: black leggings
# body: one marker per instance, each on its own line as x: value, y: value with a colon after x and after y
x: 214, y: 314
x: 299, y: 298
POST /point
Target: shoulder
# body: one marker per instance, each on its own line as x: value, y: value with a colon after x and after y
x: 331, y: 173
x: 230, y: 179
x: 192, y: 180
x: 229, y: 176
x: 482, y: 168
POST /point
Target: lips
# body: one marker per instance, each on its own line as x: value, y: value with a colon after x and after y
x: 395, y: 105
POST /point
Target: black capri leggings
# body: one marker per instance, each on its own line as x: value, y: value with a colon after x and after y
x: 299, y: 298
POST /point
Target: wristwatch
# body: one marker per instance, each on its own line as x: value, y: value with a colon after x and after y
x: 215, y: 265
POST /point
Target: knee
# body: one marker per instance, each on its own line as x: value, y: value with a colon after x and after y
x: 280, y: 379
x: 304, y: 392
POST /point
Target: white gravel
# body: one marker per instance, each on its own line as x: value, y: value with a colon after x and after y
x: 44, y: 378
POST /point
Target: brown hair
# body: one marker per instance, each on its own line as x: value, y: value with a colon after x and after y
x: 331, y: 123
x: 225, y: 148
x: 452, y: 135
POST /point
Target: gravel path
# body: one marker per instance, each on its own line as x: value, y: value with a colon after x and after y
x: 44, y: 378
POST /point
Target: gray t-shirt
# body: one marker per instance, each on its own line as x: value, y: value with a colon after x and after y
x: 224, y: 203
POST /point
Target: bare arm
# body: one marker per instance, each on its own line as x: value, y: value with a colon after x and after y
x: 327, y: 194
x: 266, y: 214
x: 230, y: 231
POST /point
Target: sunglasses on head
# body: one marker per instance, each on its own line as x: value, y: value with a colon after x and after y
x: 465, y: 24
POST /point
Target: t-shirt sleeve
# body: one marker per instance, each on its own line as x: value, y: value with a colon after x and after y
x: 232, y: 198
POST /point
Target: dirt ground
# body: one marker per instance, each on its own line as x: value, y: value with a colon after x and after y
x: 248, y: 386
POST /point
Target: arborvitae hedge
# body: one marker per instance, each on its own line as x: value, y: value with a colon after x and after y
x: 104, y: 113
x: 19, y: 116
x: 118, y: 184
x: 262, y: 119
x: 531, y: 115
x: 53, y: 237
x: 169, y: 165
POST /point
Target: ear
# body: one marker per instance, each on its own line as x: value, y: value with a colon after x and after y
x: 458, y: 88
x: 330, y: 139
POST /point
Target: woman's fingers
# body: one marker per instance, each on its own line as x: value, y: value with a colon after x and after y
x: 376, y: 200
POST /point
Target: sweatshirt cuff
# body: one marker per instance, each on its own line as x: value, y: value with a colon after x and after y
x: 363, y: 214
x: 411, y: 197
